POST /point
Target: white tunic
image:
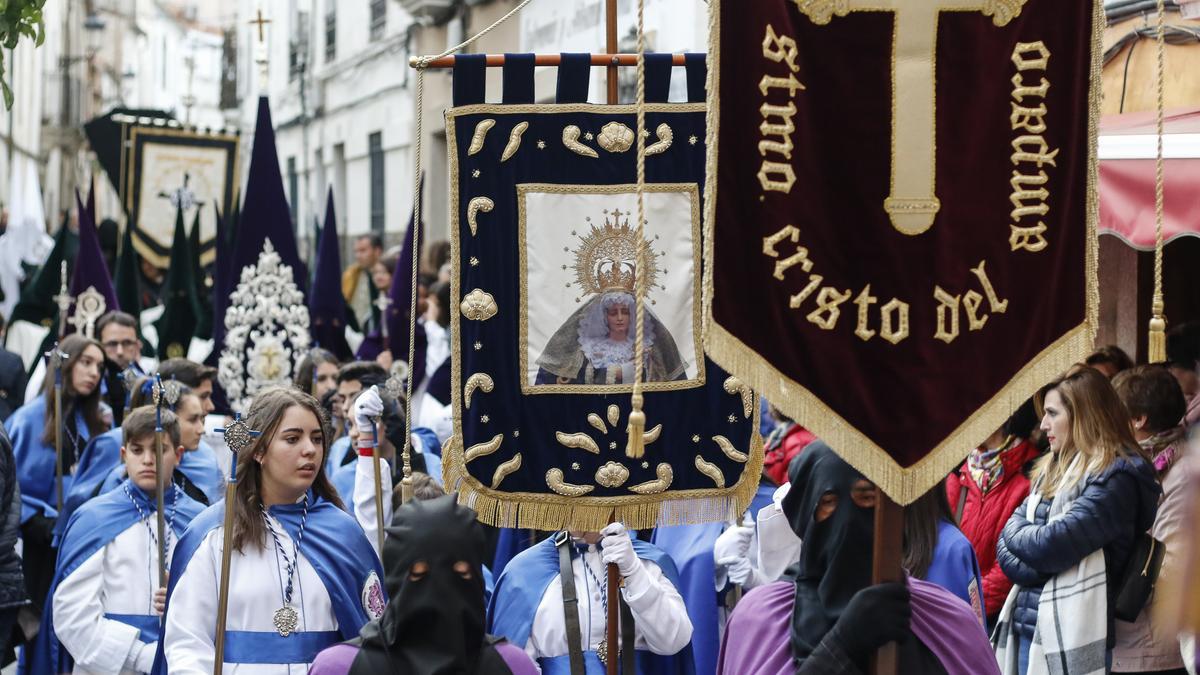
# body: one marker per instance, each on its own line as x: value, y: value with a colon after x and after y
x: 778, y: 545
x: 119, y: 578
x: 257, y: 581
x: 659, y: 616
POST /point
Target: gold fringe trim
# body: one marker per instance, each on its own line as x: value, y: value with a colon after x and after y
x: 551, y: 512
x: 904, y: 485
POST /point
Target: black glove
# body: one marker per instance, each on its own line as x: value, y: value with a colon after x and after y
x: 875, y: 616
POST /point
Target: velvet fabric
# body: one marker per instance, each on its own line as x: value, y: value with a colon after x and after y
x: 907, y: 398
x: 490, y: 259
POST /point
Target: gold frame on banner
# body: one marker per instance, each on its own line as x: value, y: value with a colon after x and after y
x: 550, y: 511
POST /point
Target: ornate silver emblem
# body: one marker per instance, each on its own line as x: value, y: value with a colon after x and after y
x: 285, y: 619
x: 266, y: 324
x: 168, y: 392
x: 238, y: 435
x: 89, y: 307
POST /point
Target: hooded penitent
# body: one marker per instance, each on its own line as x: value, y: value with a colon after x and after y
x: 835, y: 561
x: 434, y: 623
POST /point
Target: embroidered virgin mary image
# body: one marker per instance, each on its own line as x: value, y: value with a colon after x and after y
x: 597, y: 344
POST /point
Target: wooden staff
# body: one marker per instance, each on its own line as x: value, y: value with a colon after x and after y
x: 54, y: 359
x: 614, y: 575
x: 226, y: 552
x: 885, y: 568
x: 239, y: 437
x: 160, y: 519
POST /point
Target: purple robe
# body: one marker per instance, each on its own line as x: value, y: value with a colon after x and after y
x: 337, y: 659
x: 757, y: 639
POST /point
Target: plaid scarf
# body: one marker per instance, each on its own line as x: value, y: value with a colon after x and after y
x: 1071, y: 614
x: 987, y: 466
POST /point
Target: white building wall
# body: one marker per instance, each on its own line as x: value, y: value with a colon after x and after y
x: 365, y: 89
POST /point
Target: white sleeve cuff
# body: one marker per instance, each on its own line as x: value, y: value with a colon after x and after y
x: 141, y: 657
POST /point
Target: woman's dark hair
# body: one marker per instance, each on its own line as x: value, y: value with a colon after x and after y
x: 921, y: 521
x: 264, y: 416
x: 1022, y: 422
x: 389, y: 262
x: 188, y: 372
x: 304, y: 379
x: 367, y: 372
x: 441, y: 290
x: 73, y: 346
x: 437, y: 253
x: 1111, y: 355
x: 1154, y: 392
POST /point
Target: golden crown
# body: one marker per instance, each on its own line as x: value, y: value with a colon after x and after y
x: 607, y: 257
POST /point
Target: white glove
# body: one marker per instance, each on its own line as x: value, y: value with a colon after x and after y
x: 733, y: 543
x: 616, y: 547
x: 741, y: 572
x: 367, y: 408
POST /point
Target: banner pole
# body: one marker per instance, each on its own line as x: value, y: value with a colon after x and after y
x: 614, y: 576
x: 885, y: 568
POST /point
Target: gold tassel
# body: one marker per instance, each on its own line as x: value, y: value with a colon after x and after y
x: 406, y: 489
x: 1157, y: 343
x: 636, y: 446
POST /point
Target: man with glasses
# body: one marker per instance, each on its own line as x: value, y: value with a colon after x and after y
x: 117, y: 333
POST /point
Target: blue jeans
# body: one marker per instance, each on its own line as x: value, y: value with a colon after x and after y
x: 1023, y: 645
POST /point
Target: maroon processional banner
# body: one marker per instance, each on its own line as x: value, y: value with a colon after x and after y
x: 903, y: 222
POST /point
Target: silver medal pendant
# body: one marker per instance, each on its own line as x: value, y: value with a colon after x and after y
x: 285, y: 619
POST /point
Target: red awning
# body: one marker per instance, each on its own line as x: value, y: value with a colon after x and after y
x: 1127, y: 151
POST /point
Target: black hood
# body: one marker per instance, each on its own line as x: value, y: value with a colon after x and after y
x: 835, y: 558
x: 434, y: 624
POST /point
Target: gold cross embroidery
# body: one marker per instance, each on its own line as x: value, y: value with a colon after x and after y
x: 912, y: 203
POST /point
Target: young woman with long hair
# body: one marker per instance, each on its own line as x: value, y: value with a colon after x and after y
x: 937, y: 551
x: 1066, y: 548
x: 33, y: 429
x: 302, y: 575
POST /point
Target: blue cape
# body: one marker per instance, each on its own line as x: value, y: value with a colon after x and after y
x: 955, y: 568
x: 342, y: 476
x: 35, y: 460
x: 520, y: 588
x: 337, y: 454
x: 91, y: 527
x: 201, y: 467
x: 333, y: 544
x: 99, y: 456
x: 691, y: 547
x: 100, y: 470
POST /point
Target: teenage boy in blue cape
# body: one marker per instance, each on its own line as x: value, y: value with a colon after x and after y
x: 104, y: 610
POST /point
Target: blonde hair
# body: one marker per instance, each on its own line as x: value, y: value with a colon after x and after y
x: 1100, y: 431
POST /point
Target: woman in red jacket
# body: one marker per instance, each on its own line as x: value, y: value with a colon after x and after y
x: 986, y: 490
x: 785, y: 441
